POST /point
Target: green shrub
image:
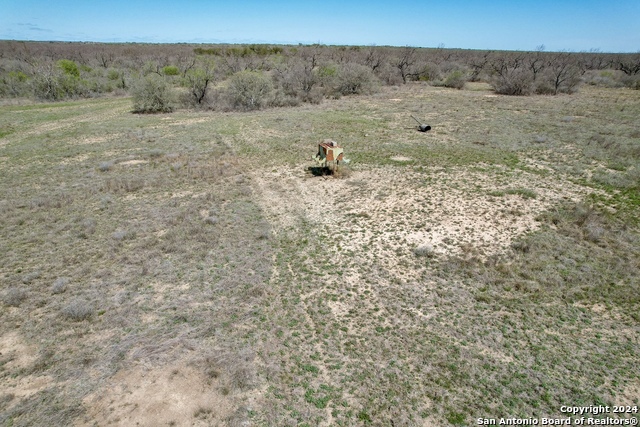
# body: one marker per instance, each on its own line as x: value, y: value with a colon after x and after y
x: 18, y: 76
x: 69, y: 67
x: 170, y: 70
x: 250, y: 90
x: 113, y: 74
x: 328, y: 70
x: 152, y: 95
x: 327, y: 74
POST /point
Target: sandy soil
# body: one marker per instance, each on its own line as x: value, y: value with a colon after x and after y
x: 16, y: 355
x: 386, y: 209
x: 176, y: 394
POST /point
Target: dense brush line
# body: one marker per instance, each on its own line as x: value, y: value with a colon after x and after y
x: 303, y: 73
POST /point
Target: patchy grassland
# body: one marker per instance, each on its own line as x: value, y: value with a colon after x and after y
x: 188, y: 269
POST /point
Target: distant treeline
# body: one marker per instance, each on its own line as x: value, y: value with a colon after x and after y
x: 288, y: 75
x: 242, y: 51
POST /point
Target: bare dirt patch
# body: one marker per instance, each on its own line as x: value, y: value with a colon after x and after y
x: 17, y: 356
x: 176, y: 394
x: 134, y: 162
x: 15, y: 353
x: 382, y: 210
x: 401, y: 158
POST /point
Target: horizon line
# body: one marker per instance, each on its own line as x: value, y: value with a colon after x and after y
x: 318, y: 43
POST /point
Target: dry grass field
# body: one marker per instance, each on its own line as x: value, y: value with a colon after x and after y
x: 189, y: 269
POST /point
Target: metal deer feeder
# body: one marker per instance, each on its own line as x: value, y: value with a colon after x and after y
x: 330, y: 154
x: 421, y: 126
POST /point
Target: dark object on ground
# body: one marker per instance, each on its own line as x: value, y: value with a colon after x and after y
x: 422, y: 127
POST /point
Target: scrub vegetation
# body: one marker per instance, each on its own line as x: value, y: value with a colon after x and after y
x: 188, y: 267
x: 230, y: 77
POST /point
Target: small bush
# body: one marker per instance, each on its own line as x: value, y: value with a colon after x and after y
x: 152, y: 95
x: 282, y: 99
x: 170, y: 70
x: 68, y: 67
x: 60, y: 285
x: 30, y: 277
x: 327, y: 73
x: 631, y: 81
x: 355, y: 79
x: 424, y: 251
x: 430, y: 73
x: 105, y: 166
x: 250, y: 90
x: 14, y: 297
x: 198, y: 81
x: 120, y: 235
x: 543, y: 86
x: 593, y: 232
x: 78, y: 310
x: 211, y: 220
x: 113, y: 74
x: 14, y: 84
x: 540, y: 139
x: 53, y: 85
x: 604, y: 78
x: 155, y: 153
x: 456, y: 79
x: 517, y: 82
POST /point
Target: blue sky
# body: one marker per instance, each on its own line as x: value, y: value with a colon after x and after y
x: 610, y: 26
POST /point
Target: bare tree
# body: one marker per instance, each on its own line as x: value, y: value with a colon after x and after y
x: 374, y: 58
x: 186, y: 62
x: 344, y: 54
x: 25, y: 53
x: 629, y: 64
x: 508, y: 60
x: 440, y: 54
x: 405, y: 62
x: 311, y: 54
x: 564, y: 72
x: 305, y: 78
x: 232, y: 64
x: 594, y: 60
x: 510, y: 76
x: 536, y: 62
x: 198, y: 80
x: 105, y: 56
x: 478, y: 64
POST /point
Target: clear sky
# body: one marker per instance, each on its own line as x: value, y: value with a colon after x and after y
x: 575, y: 25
